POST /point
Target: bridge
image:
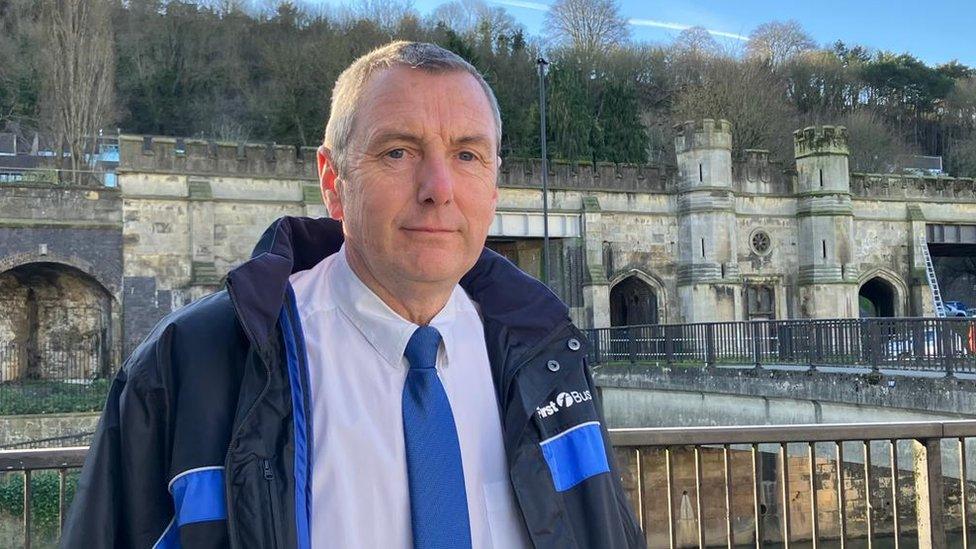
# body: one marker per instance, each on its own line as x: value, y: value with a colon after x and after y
x: 786, y: 372
x: 825, y: 485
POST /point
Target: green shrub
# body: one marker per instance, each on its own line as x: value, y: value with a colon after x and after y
x: 45, y: 397
x: 44, y: 498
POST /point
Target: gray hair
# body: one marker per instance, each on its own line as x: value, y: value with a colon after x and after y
x: 351, y: 83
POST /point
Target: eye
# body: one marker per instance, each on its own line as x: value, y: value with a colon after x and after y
x: 396, y: 153
x: 467, y: 156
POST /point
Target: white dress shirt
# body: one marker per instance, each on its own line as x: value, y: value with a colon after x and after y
x: 355, y: 344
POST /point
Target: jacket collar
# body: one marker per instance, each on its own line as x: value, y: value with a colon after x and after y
x: 511, y: 302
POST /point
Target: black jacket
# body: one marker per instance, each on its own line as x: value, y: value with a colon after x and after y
x: 204, y: 439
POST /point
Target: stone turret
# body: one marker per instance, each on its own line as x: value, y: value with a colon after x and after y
x: 708, y: 272
x: 821, y: 159
x: 827, y: 274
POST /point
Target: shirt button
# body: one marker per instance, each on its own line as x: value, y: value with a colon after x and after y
x: 573, y: 344
x: 553, y: 366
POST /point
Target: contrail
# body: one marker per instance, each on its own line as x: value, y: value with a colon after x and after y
x: 679, y: 26
x: 636, y: 22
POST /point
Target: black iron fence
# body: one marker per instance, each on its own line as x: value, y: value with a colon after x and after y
x: 58, y: 375
x: 934, y: 344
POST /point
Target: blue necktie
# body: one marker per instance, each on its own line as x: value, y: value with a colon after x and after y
x: 438, y: 505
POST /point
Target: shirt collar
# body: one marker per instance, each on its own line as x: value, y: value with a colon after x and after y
x: 385, y: 330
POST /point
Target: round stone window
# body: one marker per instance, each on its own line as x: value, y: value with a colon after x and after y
x: 760, y: 242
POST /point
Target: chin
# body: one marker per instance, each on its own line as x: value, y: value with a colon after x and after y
x: 437, y: 267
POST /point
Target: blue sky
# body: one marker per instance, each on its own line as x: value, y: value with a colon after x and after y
x: 936, y: 31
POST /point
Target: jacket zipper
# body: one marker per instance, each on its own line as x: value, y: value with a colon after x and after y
x: 269, y: 476
x: 231, y: 526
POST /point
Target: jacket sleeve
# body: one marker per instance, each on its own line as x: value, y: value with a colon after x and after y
x: 627, y: 525
x: 122, y: 498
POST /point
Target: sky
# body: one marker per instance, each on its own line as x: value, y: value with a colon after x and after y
x: 935, y: 31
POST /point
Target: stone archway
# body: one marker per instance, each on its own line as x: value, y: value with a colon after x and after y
x: 55, y: 323
x: 877, y: 298
x: 633, y: 302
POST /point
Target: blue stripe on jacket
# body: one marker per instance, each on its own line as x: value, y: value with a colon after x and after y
x: 294, y: 349
x: 198, y: 496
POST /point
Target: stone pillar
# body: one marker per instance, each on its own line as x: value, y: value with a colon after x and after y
x: 596, y: 287
x: 920, y: 301
x: 203, y: 271
x: 709, y: 285
x: 827, y: 278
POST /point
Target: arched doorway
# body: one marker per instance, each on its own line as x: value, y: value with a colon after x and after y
x: 55, y: 323
x: 632, y: 302
x: 876, y: 298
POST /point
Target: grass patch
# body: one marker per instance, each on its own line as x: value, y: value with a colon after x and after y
x: 47, y: 397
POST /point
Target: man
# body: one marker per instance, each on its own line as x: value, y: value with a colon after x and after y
x: 345, y: 390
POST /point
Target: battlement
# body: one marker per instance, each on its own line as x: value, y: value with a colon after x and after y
x: 820, y: 140
x: 527, y: 173
x: 199, y: 156
x: 913, y: 187
x: 756, y: 172
x: 706, y: 133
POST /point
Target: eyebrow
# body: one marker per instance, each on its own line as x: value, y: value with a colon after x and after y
x: 384, y: 137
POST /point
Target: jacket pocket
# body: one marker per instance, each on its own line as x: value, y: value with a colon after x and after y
x: 575, y: 455
x: 269, y: 477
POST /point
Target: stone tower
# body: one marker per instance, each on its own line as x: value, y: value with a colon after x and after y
x: 827, y: 276
x: 709, y: 286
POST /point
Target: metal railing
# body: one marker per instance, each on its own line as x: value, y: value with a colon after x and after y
x: 57, y: 177
x: 26, y: 463
x: 935, y: 344
x: 903, y: 484
x: 59, y: 375
x: 790, y: 484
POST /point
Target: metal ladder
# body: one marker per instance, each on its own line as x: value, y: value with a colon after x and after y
x: 933, y: 283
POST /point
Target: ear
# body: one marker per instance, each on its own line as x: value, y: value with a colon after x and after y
x: 328, y: 177
x: 494, y: 194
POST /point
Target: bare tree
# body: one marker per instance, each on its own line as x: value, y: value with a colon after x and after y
x: 469, y: 17
x: 386, y: 13
x: 588, y: 26
x: 750, y: 96
x: 696, y: 42
x: 778, y: 41
x: 875, y: 146
x: 78, y: 61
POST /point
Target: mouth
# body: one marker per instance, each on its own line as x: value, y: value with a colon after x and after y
x: 429, y: 230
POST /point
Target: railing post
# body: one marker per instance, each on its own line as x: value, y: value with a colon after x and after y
x: 756, y: 350
x: 595, y: 344
x: 947, y: 345
x: 709, y: 345
x: 927, y: 463
x: 668, y: 345
x: 874, y: 335
x: 632, y: 344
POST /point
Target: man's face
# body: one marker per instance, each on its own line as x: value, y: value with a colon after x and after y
x: 417, y: 193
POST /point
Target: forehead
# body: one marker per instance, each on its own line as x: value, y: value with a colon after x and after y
x: 408, y: 98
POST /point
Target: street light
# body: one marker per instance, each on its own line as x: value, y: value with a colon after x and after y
x: 541, y: 62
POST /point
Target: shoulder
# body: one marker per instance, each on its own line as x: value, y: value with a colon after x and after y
x: 205, y: 332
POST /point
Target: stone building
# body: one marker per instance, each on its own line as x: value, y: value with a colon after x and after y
x: 710, y: 239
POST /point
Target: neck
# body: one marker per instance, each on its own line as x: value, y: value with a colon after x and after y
x: 417, y: 303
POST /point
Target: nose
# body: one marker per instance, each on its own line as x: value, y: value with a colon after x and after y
x: 436, y: 181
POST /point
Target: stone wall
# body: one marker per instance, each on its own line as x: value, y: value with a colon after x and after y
x: 25, y: 429
x: 187, y: 211
x: 60, y: 279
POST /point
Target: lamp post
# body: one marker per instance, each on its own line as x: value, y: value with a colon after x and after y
x: 541, y: 62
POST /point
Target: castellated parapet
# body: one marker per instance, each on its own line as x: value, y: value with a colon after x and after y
x: 198, y: 156
x: 706, y: 133
x: 820, y: 140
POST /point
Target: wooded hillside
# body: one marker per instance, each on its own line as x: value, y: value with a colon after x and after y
x: 222, y: 70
